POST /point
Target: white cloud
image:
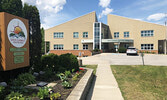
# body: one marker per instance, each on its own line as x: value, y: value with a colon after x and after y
x: 156, y: 17
x: 105, y: 12
x: 47, y: 9
x: 104, y: 3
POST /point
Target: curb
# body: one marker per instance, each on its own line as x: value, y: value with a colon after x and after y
x: 81, y: 89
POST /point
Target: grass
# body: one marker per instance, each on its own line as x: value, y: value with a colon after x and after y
x: 92, y: 67
x: 141, y: 82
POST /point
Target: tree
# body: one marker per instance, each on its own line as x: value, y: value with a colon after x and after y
x: 32, y: 14
x: 0, y: 6
x: 43, y: 42
x: 12, y: 6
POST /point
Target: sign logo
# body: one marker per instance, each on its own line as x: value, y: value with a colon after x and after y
x: 17, y: 33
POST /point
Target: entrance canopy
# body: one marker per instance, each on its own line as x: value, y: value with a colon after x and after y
x: 117, y: 40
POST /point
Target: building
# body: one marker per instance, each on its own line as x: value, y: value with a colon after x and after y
x: 82, y: 35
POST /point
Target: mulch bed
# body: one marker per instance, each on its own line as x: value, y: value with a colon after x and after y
x: 65, y: 91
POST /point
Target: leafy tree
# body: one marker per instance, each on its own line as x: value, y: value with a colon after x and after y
x: 12, y: 6
x: 0, y: 6
x: 32, y: 14
x: 43, y: 42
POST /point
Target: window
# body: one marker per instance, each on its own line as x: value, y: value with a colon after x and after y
x: 116, y: 34
x: 85, y: 34
x: 75, y: 46
x: 147, y: 46
x: 126, y: 34
x: 58, y: 35
x: 75, y: 34
x: 147, y: 33
x: 85, y: 47
x: 58, y: 47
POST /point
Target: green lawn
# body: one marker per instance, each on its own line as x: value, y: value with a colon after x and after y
x: 92, y: 67
x: 141, y: 82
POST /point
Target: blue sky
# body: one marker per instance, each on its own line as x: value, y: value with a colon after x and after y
x: 54, y: 12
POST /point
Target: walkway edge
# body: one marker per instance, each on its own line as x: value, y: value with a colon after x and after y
x: 81, y: 89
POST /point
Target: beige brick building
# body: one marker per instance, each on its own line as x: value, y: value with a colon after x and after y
x: 85, y: 33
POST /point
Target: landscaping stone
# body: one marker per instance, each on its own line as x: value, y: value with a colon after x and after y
x: 41, y: 72
x: 3, y: 84
x: 42, y: 84
x: 34, y: 86
x: 36, y: 74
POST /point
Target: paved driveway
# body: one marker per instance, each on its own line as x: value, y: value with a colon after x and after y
x: 123, y: 59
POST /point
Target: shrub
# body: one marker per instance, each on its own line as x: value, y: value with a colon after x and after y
x: 24, y: 79
x: 50, y: 61
x: 16, y: 96
x: 66, y: 84
x: 2, y: 90
x: 19, y: 89
x: 55, y: 96
x: 69, y: 62
x: 43, y: 92
x: 122, y: 50
x: 68, y: 74
x: 96, y: 50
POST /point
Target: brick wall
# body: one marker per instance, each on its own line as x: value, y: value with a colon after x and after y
x: 152, y: 51
x: 74, y: 52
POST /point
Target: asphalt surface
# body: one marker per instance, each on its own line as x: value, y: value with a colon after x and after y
x: 123, y: 59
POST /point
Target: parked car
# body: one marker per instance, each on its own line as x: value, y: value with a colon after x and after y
x: 131, y: 50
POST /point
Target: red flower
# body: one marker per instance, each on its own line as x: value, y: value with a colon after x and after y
x: 81, y: 68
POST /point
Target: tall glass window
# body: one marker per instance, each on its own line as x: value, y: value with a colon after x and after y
x: 97, y: 36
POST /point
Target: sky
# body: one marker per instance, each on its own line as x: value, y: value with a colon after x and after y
x: 55, y: 12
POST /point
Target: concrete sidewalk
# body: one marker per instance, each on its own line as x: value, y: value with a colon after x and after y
x: 106, y: 87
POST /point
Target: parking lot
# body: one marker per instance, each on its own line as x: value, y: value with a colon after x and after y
x: 123, y: 59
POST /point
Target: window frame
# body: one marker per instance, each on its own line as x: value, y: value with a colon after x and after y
x: 147, y: 33
x: 75, y: 34
x: 58, y: 35
x: 126, y: 34
x: 116, y: 34
x: 85, y: 34
x: 74, y: 47
x: 58, y: 47
x: 85, y: 47
x: 147, y: 46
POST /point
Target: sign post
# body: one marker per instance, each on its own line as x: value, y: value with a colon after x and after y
x: 14, y: 42
x: 142, y: 55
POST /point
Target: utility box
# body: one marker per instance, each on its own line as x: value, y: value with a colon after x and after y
x: 14, y: 42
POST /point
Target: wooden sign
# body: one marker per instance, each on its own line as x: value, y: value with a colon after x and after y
x: 14, y: 36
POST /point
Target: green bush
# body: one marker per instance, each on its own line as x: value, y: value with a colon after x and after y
x: 50, y: 61
x: 69, y: 62
x: 122, y: 50
x: 24, y: 79
x: 43, y: 92
x: 2, y: 90
x: 16, y: 96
